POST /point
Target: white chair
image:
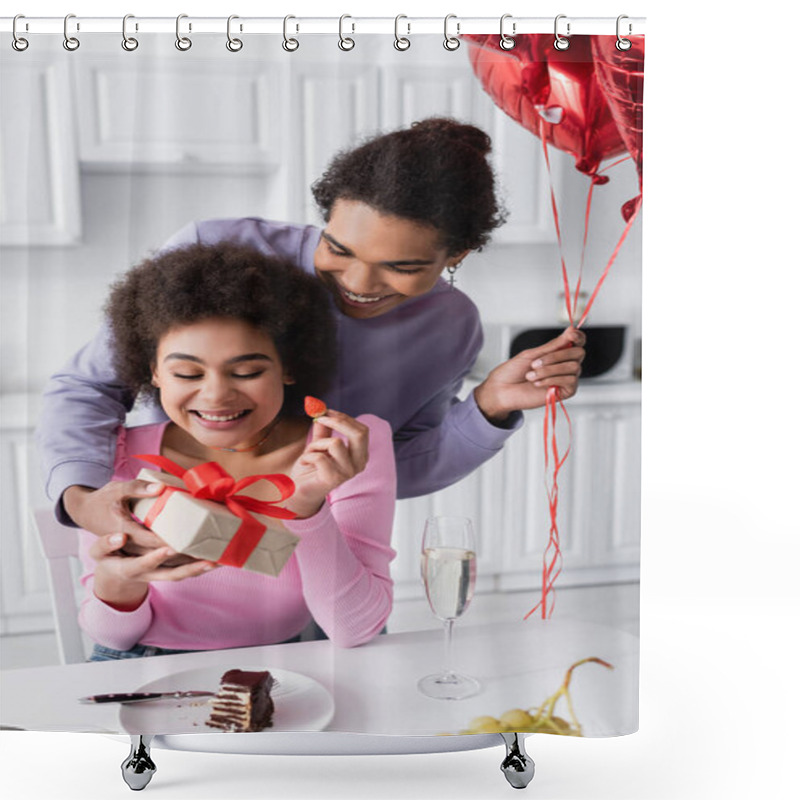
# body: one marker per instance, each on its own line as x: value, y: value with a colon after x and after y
x: 59, y: 545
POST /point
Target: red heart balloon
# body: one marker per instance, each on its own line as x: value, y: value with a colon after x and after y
x: 553, y: 93
x: 621, y: 77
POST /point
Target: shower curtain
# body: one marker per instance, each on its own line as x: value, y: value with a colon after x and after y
x: 125, y: 147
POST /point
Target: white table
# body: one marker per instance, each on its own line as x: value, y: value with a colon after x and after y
x: 374, y: 686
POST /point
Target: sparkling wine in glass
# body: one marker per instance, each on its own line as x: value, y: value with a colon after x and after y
x: 448, y: 572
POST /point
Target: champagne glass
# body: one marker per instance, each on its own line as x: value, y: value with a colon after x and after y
x: 448, y: 571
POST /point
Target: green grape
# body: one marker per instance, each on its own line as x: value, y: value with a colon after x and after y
x: 516, y: 719
x: 542, y: 720
x: 562, y: 725
x: 487, y: 725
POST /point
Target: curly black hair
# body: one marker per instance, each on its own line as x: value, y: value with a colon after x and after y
x: 227, y: 280
x: 435, y: 172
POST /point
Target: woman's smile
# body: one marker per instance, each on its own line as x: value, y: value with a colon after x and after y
x: 219, y: 420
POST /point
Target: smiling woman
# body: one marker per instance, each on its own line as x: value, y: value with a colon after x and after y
x: 221, y: 381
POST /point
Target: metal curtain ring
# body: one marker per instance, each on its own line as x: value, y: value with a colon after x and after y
x: 289, y: 44
x: 623, y: 44
x: 346, y: 42
x: 401, y: 42
x: 70, y: 42
x: 18, y: 42
x: 128, y: 42
x: 507, y: 42
x: 183, y: 43
x: 451, y: 43
x: 234, y: 45
x: 560, y: 43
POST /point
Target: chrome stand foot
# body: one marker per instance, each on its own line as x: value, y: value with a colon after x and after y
x: 138, y: 768
x: 517, y: 766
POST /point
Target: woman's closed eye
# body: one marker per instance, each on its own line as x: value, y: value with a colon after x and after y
x: 248, y: 375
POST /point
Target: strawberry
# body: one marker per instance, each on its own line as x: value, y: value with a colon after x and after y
x: 315, y: 408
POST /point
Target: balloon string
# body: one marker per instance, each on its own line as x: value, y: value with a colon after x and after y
x: 577, y: 294
x: 552, y: 556
x: 611, y: 260
x: 614, y: 164
x: 552, y: 559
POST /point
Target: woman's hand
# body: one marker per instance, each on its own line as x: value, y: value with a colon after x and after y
x: 121, y: 580
x: 522, y: 382
x: 106, y: 510
x: 328, y: 461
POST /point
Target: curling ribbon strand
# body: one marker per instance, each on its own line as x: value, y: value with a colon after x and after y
x: 551, y: 558
x: 209, y: 481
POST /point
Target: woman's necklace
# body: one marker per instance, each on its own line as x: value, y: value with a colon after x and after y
x: 269, y: 429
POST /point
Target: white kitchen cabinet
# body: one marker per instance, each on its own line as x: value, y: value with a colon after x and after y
x: 522, y: 174
x: 599, y: 496
x: 328, y: 106
x: 178, y: 111
x: 270, y: 115
x: 25, y: 594
x: 260, y: 111
x: 477, y: 497
x: 40, y: 202
x: 598, y: 511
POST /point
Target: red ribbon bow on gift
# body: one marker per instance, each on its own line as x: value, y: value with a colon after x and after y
x: 209, y: 481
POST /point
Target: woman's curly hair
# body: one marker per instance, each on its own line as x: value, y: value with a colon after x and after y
x: 227, y: 280
x: 435, y: 172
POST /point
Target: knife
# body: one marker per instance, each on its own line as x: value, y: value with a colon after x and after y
x: 138, y: 697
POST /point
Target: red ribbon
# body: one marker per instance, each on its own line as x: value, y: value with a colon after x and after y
x: 551, y: 559
x: 209, y: 481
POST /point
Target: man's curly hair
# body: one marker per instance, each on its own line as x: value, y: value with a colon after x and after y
x: 435, y: 172
x: 226, y: 280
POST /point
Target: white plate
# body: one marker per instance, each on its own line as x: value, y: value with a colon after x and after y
x: 301, y: 703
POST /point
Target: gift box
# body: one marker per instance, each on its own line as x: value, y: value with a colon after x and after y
x: 202, y: 513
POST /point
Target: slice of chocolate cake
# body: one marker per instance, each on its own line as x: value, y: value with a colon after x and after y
x: 243, y: 702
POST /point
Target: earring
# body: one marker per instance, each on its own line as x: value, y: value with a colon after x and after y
x: 451, y: 271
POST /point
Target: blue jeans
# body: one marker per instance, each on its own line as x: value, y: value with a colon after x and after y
x: 103, y: 653
x: 311, y: 633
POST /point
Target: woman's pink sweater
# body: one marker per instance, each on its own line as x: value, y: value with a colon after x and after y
x: 339, y: 572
